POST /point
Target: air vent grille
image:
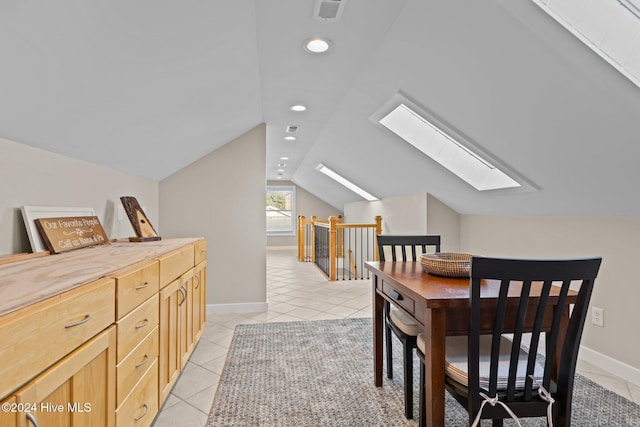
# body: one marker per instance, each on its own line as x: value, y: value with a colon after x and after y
x: 325, y: 10
x: 292, y: 129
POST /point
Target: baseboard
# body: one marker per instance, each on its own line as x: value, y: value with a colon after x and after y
x: 246, y: 307
x: 609, y: 364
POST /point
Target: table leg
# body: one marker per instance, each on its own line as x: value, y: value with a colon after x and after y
x: 434, y: 360
x: 378, y: 305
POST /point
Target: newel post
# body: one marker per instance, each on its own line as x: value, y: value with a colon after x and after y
x: 333, y: 262
x: 378, y: 231
x: 313, y: 238
x: 301, y: 227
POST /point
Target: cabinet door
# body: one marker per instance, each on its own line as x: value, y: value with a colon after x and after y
x: 188, y: 341
x: 199, y: 299
x: 8, y: 413
x: 172, y: 337
x: 79, y: 390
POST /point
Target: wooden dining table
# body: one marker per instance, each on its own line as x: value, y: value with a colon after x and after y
x: 441, y: 304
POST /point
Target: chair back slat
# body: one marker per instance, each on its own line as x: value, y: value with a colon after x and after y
x: 405, y: 242
x: 543, y: 287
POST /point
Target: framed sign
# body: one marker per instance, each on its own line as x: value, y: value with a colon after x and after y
x: 31, y: 213
x: 67, y: 233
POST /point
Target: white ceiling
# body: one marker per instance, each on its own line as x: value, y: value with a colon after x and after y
x: 149, y: 86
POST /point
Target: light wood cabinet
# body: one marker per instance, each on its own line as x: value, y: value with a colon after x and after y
x: 79, y: 390
x: 100, y: 335
x: 9, y: 412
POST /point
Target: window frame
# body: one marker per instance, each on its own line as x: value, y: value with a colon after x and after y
x: 292, y: 231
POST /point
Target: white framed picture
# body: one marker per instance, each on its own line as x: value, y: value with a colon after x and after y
x: 30, y: 213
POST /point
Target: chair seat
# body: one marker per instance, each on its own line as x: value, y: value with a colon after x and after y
x: 404, y: 322
x: 456, y: 362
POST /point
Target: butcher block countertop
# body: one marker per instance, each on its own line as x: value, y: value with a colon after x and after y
x: 23, y: 283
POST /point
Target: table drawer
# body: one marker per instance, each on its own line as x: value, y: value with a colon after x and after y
x: 174, y: 264
x: 136, y: 285
x: 398, y: 297
x: 35, y: 337
x: 141, y: 405
x: 135, y: 364
x: 200, y: 251
x: 135, y: 326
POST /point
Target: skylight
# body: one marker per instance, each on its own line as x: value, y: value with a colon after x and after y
x: 344, y: 181
x: 611, y: 28
x: 444, y: 149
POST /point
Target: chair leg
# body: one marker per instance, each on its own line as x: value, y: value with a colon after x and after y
x: 498, y: 423
x: 422, y: 414
x: 407, y: 353
x: 387, y: 339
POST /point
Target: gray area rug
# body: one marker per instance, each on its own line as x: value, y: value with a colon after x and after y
x: 321, y: 374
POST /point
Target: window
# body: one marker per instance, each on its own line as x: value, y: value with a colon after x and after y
x: 280, y: 210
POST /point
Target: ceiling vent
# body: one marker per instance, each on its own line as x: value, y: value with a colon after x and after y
x: 292, y: 129
x: 328, y: 10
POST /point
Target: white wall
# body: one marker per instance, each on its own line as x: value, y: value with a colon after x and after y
x: 31, y: 176
x: 306, y: 204
x: 418, y: 213
x: 614, y: 238
x: 221, y: 197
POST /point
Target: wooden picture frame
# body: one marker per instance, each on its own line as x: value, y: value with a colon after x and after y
x: 31, y: 213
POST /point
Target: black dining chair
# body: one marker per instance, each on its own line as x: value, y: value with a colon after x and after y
x: 403, y: 326
x: 496, y: 377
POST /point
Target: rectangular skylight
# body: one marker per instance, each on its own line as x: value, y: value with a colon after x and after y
x: 344, y: 181
x: 442, y: 148
x: 611, y: 28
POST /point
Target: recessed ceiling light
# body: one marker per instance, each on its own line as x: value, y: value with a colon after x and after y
x: 284, y: 158
x: 279, y: 176
x: 280, y: 170
x: 290, y: 138
x: 317, y: 45
x: 297, y: 107
x: 282, y: 165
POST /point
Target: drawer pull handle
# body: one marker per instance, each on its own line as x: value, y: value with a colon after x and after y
x: 139, y: 417
x: 184, y: 295
x: 396, y: 295
x: 145, y: 360
x: 142, y: 324
x: 145, y: 285
x: 32, y: 419
x: 79, y: 322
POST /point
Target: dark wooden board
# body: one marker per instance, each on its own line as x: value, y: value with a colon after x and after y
x: 68, y: 233
x: 139, y: 221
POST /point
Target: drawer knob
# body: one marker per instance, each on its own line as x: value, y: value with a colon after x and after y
x: 145, y: 285
x: 79, y: 322
x: 32, y: 419
x: 145, y: 360
x: 141, y: 416
x: 142, y: 324
x: 396, y: 295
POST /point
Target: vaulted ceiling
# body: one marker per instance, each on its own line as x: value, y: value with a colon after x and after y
x: 149, y: 86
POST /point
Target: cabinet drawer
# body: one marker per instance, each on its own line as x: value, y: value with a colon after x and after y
x: 135, y: 286
x: 174, y: 264
x: 135, y: 326
x: 398, y: 297
x: 200, y: 251
x: 141, y: 405
x: 35, y: 337
x: 133, y: 367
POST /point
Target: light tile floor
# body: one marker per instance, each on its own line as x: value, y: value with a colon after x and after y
x: 295, y: 291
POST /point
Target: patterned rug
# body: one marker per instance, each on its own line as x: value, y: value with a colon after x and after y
x: 321, y: 374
